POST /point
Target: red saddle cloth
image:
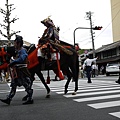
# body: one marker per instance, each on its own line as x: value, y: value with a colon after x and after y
x: 33, y: 59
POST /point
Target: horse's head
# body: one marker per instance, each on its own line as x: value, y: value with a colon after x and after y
x: 6, y: 53
x: 10, y: 50
x: 30, y: 48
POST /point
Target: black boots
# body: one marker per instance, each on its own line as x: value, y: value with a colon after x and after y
x: 7, y: 100
x: 28, y: 97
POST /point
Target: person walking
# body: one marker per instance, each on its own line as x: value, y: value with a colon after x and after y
x: 94, y: 69
x: 19, y: 73
x: 87, y: 67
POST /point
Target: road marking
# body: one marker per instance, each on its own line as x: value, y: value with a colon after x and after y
x: 90, y: 90
x: 81, y: 87
x: 93, y: 93
x: 104, y: 104
x: 97, y: 98
x: 4, y: 91
x: 116, y: 114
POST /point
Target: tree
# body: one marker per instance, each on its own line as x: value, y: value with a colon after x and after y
x: 7, y: 22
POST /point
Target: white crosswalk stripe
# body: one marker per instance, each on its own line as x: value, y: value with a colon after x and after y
x: 105, y: 104
x: 105, y: 91
x: 96, y: 98
x: 116, y: 114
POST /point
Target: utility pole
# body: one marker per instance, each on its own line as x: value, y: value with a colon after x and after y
x: 89, y: 14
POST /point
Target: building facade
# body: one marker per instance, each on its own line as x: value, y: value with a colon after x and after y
x: 109, y: 53
x: 115, y: 13
x: 5, y: 42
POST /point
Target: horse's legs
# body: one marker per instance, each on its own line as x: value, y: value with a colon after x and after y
x: 69, y: 76
x: 66, y: 85
x: 75, y: 77
x: 40, y: 75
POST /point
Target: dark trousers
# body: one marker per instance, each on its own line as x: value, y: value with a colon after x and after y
x: 88, y: 72
x: 24, y: 79
x: 27, y: 89
x: 93, y: 73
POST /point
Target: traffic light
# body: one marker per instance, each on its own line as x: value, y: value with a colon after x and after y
x: 97, y: 28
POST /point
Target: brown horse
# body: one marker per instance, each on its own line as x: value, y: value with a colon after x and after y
x: 69, y: 65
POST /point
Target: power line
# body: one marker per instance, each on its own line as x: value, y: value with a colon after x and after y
x: 84, y: 39
x: 108, y: 24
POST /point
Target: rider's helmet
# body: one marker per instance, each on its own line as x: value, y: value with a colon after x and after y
x: 19, y: 39
x: 47, y: 22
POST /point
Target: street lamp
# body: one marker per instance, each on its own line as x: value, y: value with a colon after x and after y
x: 94, y: 28
x: 76, y: 29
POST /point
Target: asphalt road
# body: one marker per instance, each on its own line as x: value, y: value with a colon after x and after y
x: 99, y: 100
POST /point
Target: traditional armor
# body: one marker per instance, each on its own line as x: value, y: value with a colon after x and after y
x: 51, y: 36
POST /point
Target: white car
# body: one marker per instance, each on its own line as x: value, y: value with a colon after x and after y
x: 112, y: 68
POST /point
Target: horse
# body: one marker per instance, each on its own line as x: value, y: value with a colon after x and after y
x: 69, y: 64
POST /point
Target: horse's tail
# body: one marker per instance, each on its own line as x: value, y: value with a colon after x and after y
x: 77, y: 66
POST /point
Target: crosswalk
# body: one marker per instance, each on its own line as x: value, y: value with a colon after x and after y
x: 98, y: 95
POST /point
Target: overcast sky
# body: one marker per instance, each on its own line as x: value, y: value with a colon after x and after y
x: 67, y: 14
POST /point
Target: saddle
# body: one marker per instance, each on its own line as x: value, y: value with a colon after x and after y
x: 54, y: 47
x: 62, y: 48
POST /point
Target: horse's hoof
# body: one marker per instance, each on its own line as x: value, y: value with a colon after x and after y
x: 48, y: 96
x: 65, y: 92
x: 25, y: 98
x: 74, y: 93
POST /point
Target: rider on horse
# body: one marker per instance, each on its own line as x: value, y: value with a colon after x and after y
x: 49, y: 37
x: 49, y: 42
x: 19, y: 72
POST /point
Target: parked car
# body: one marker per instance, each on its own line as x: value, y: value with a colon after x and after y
x: 112, y: 68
